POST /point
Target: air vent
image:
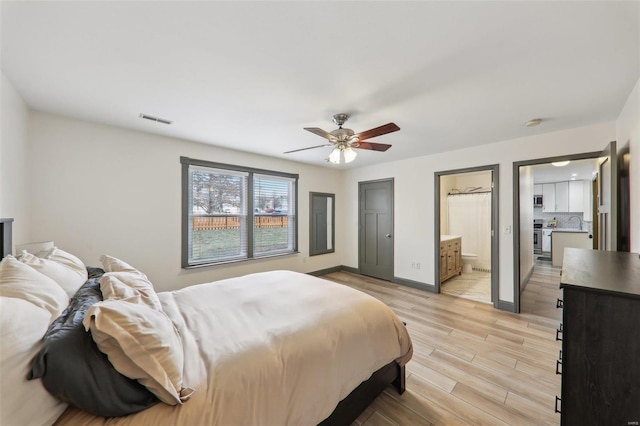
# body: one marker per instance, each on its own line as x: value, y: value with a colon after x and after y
x: 156, y: 119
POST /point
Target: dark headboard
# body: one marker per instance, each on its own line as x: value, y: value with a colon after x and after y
x: 5, y: 237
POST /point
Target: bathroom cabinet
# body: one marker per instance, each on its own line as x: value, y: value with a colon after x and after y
x: 450, y: 256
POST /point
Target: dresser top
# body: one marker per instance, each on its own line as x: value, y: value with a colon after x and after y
x: 601, y: 271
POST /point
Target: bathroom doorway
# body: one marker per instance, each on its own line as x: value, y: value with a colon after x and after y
x: 466, y: 250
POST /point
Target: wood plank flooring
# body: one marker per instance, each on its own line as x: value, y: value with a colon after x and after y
x: 472, y: 364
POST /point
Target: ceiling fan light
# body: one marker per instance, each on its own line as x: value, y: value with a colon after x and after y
x: 349, y: 154
x: 334, y: 157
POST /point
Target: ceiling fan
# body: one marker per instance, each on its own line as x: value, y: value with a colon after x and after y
x: 344, y: 140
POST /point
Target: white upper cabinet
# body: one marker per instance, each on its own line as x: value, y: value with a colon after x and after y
x: 549, y: 197
x: 562, y: 196
x: 537, y: 189
x: 576, y: 196
x: 573, y: 196
x: 555, y: 197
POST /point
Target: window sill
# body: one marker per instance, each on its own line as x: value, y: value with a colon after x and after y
x: 236, y: 261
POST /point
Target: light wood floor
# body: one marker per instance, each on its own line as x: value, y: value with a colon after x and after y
x: 472, y: 364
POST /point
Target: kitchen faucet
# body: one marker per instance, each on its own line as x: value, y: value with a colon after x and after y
x: 579, y: 218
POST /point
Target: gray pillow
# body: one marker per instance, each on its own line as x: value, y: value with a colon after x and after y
x: 74, y: 370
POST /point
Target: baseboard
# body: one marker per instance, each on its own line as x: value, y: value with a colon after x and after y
x: 506, y: 306
x: 325, y: 271
x: 402, y: 281
x: 350, y: 269
x: 526, y: 280
x: 415, y: 284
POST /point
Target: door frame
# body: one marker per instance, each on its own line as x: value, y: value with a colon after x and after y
x: 516, y: 211
x: 495, y: 179
x: 393, y: 225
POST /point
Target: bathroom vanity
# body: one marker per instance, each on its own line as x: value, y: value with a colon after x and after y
x: 450, y: 256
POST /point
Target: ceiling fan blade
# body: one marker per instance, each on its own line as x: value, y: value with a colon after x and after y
x: 319, y: 132
x: 311, y: 147
x: 372, y: 146
x: 378, y: 131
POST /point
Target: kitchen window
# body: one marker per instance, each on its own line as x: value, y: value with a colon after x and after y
x: 233, y: 213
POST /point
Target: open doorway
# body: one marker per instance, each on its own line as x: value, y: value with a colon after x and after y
x: 466, y: 208
x: 566, y: 201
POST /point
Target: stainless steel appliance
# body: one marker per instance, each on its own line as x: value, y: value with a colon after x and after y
x: 537, y: 201
x: 537, y: 235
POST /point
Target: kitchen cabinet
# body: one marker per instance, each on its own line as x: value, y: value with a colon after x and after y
x: 562, y: 196
x: 600, y: 340
x: 537, y: 189
x: 562, y: 239
x: 546, y: 240
x: 450, y: 256
x: 556, y: 197
x: 549, y: 197
x: 576, y: 196
x: 580, y: 198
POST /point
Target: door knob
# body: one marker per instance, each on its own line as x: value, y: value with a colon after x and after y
x: 388, y: 235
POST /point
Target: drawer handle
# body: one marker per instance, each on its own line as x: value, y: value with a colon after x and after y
x: 559, y: 303
x: 558, y: 399
x: 558, y: 331
x: 558, y: 365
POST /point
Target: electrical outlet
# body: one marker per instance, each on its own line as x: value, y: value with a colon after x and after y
x: 418, y: 265
x: 413, y: 265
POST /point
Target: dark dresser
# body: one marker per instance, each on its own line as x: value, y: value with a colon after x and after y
x: 600, y: 333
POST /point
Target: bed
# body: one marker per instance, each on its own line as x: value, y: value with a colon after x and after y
x: 271, y: 348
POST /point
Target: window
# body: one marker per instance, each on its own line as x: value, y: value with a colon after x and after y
x: 233, y: 213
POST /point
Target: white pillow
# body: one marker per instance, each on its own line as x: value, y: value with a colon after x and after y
x: 113, y: 264
x: 66, y: 259
x: 23, y: 282
x: 142, y: 344
x: 22, y: 401
x: 70, y: 278
x: 124, y: 285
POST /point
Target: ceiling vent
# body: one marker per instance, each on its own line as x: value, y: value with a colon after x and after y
x: 156, y: 119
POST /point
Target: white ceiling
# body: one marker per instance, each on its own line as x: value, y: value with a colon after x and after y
x: 251, y: 75
x: 575, y: 170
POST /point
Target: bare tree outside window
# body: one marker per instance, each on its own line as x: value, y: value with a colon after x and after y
x: 227, y: 222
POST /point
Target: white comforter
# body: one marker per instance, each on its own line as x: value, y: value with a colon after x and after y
x: 275, y: 348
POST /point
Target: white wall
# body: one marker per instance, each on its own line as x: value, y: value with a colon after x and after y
x: 100, y: 189
x: 628, y: 132
x: 473, y: 180
x: 14, y: 176
x: 526, y: 222
x: 414, y: 180
x: 447, y: 183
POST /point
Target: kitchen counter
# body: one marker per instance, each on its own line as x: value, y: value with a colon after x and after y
x: 565, y: 238
x: 566, y: 230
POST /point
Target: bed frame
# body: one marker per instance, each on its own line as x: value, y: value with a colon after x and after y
x: 347, y: 410
x: 5, y: 237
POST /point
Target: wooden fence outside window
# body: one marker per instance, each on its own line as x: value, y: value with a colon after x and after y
x: 207, y: 223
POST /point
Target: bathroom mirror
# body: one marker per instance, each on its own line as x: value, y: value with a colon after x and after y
x: 321, y: 223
